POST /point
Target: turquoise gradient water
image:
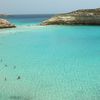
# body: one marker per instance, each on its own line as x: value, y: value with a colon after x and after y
x: 53, y: 62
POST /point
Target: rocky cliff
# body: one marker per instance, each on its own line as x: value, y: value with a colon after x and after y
x: 6, y: 24
x: 78, y: 17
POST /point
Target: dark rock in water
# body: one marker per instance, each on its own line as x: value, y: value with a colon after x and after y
x: 78, y: 17
x: 6, y: 24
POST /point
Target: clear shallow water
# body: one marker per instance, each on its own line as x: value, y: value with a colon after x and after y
x: 53, y: 62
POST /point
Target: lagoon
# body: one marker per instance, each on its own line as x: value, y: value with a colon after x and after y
x: 53, y: 62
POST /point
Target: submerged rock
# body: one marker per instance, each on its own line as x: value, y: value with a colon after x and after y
x: 6, y: 24
x: 78, y: 17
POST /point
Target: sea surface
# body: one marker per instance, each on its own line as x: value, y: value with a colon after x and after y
x: 49, y: 62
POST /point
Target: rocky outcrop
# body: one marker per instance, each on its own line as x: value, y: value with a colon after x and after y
x: 78, y: 17
x: 6, y: 24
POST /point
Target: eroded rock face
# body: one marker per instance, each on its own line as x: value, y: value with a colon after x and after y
x: 78, y: 17
x: 6, y: 24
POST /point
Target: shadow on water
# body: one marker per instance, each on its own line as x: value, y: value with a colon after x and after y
x: 15, y: 97
x: 19, y: 98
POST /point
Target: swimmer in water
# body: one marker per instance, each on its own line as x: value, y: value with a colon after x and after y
x: 5, y: 79
x: 14, y: 67
x: 6, y: 65
x: 18, y: 77
x: 1, y: 60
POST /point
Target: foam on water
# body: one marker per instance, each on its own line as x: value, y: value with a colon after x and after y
x: 22, y: 28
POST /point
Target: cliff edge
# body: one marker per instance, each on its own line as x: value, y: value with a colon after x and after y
x: 78, y: 17
x: 6, y: 24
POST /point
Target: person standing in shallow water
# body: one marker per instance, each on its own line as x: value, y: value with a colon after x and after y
x: 1, y: 60
x: 6, y: 65
x: 14, y: 67
x: 18, y: 77
x: 5, y: 79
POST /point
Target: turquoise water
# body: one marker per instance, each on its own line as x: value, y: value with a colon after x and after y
x: 53, y: 62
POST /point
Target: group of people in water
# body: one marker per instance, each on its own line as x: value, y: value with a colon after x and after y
x: 14, y: 67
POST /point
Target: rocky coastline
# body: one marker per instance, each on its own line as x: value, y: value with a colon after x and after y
x: 78, y: 17
x: 6, y: 24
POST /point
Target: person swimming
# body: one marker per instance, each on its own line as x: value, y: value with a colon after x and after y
x: 1, y: 60
x: 18, y: 77
x: 5, y: 79
x: 6, y: 65
x: 14, y: 67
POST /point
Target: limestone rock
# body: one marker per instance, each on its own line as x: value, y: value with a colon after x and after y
x: 78, y: 17
x: 6, y: 24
